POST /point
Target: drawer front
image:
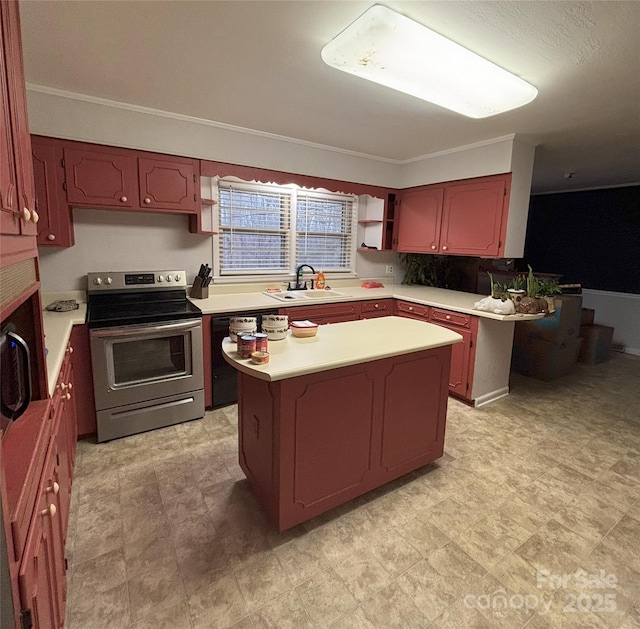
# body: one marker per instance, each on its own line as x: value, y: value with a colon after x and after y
x: 449, y: 318
x: 415, y: 311
x: 378, y: 308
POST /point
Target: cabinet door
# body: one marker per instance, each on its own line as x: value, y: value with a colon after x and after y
x: 85, y: 406
x: 459, y: 374
x: 462, y: 354
x: 167, y: 185
x: 472, y: 217
x: 99, y: 178
x: 419, y: 221
x: 55, y: 227
x: 9, y: 218
x: 11, y: 35
x: 42, y: 576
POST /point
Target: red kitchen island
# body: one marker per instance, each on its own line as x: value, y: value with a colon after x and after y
x: 336, y: 415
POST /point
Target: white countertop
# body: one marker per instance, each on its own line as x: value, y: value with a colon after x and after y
x: 437, y: 297
x: 57, y: 332
x: 342, y: 344
x: 58, y: 325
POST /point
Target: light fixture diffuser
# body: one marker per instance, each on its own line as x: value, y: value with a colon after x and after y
x: 393, y: 50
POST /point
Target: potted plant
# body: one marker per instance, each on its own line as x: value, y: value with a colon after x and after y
x: 498, y: 290
x: 516, y: 290
x: 548, y: 290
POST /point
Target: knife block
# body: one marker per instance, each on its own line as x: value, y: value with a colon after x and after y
x: 197, y: 290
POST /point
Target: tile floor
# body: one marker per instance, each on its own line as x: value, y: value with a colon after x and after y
x: 535, y: 496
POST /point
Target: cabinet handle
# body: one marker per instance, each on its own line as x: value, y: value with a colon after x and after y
x: 70, y: 350
x: 35, y: 217
x: 377, y: 306
x: 51, y: 237
x: 433, y: 247
x: 68, y: 396
x: 123, y: 199
x: 26, y: 215
x: 63, y: 386
x: 70, y: 386
x: 444, y: 248
x: 448, y: 317
x: 50, y: 510
x: 147, y: 200
x: 410, y: 308
x: 55, y: 488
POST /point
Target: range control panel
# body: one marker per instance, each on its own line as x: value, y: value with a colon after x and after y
x: 135, y: 280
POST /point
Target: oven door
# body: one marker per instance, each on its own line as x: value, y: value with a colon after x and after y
x: 141, y: 363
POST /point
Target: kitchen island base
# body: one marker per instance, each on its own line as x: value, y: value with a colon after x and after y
x: 310, y: 443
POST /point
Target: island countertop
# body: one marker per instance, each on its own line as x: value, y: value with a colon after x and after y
x: 342, y: 344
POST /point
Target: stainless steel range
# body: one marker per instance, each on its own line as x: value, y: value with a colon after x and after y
x: 146, y: 351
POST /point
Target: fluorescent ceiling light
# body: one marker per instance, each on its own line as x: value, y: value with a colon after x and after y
x: 388, y: 48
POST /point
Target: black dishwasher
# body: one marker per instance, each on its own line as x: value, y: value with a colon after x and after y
x: 225, y: 380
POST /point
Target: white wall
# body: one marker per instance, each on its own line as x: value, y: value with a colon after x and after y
x: 122, y: 241
x: 128, y: 241
x: 75, y: 117
x: 620, y: 311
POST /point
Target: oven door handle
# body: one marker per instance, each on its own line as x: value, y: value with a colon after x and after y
x: 137, y: 330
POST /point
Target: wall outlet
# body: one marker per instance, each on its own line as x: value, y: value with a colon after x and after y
x: 389, y: 269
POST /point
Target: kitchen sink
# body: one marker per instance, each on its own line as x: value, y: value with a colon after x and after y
x: 304, y: 295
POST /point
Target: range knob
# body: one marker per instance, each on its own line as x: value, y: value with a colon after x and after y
x: 108, y: 280
x: 160, y: 278
x: 177, y: 278
x: 97, y: 281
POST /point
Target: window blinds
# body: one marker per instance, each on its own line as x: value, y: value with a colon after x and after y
x: 270, y: 229
x: 253, y: 228
x: 324, y: 229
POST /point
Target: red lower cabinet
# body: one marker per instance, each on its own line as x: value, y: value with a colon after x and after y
x: 462, y: 354
x: 42, y: 575
x: 310, y: 443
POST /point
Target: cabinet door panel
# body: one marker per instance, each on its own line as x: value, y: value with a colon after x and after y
x: 167, y: 185
x: 420, y: 217
x: 9, y: 221
x: 55, y: 227
x: 21, y: 141
x: 459, y: 374
x: 100, y: 178
x: 472, y: 218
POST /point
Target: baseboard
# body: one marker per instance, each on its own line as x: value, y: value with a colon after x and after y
x: 491, y: 397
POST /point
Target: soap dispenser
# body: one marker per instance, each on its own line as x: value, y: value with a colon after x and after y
x: 320, y: 281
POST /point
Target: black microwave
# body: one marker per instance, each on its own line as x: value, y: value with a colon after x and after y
x: 15, y: 385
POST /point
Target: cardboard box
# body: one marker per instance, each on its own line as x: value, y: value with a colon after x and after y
x: 596, y: 343
x: 588, y: 315
x: 544, y: 359
x: 558, y: 327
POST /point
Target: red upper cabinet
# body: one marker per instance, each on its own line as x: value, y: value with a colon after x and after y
x: 101, y: 176
x: 462, y: 218
x: 420, y: 219
x: 17, y: 194
x: 96, y: 177
x: 55, y: 227
x: 473, y: 216
x: 169, y: 185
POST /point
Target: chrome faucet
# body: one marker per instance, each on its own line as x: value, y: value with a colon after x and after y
x: 299, y: 272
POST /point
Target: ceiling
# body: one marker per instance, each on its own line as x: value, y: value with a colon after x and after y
x: 257, y: 65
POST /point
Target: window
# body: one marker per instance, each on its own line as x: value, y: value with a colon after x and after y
x: 267, y: 229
